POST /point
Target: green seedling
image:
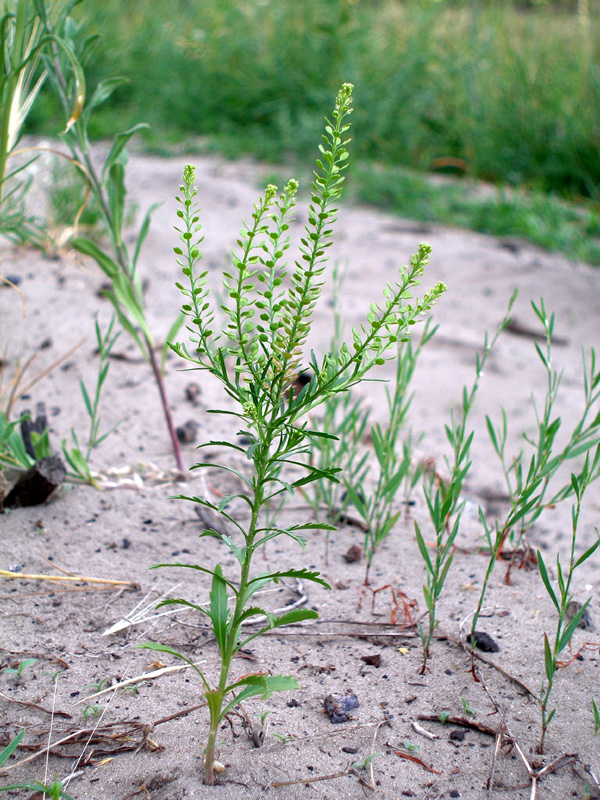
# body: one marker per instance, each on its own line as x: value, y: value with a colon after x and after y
x: 262, y: 717
x: 565, y: 628
x: 78, y: 457
x: 12, y: 448
x: 411, y: 747
x: 97, y: 687
x: 359, y: 766
x: 444, y: 498
x: 467, y: 708
x: 596, y: 714
x: 394, y: 461
x: 91, y: 710
x: 444, y: 717
x: 284, y: 738
x: 55, y: 790
x: 528, y: 482
x: 256, y: 359
x: 23, y: 665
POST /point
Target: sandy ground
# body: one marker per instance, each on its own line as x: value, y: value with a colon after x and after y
x: 118, y: 533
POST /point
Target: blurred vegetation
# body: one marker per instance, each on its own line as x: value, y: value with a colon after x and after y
x: 500, y: 91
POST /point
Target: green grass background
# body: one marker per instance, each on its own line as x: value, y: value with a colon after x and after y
x: 503, y: 92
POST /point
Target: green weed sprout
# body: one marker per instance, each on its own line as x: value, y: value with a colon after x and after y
x: 444, y: 499
x: 12, y: 448
x: 55, y: 790
x: 20, y: 669
x: 78, y: 457
x: 528, y: 484
x: 565, y: 628
x: 596, y: 715
x: 394, y: 464
x: 256, y: 358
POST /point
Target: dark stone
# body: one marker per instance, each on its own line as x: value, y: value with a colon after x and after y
x: 338, y: 706
x: 352, y: 554
x: 188, y: 432
x: 37, y: 484
x: 373, y: 660
x: 483, y: 641
x: 457, y: 735
x: 192, y: 393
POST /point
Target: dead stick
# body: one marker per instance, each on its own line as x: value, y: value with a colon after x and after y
x: 462, y: 722
x: 4, y: 573
x: 473, y: 653
x: 314, y: 780
x: 495, y: 756
x: 36, y: 706
x: 144, y: 677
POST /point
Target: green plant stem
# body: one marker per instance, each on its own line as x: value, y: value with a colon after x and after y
x: 218, y: 695
x: 446, y: 505
x: 564, y: 630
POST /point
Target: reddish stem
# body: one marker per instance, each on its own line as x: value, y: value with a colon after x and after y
x: 166, y: 408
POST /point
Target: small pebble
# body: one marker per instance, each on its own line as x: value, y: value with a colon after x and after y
x: 586, y: 621
x: 192, y: 393
x: 352, y: 554
x: 338, y: 706
x: 483, y: 641
x: 457, y: 735
x: 188, y: 432
x: 373, y: 660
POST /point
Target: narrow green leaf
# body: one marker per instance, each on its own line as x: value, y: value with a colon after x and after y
x: 423, y: 549
x: 589, y: 552
x: 162, y: 648
x: 218, y: 608
x: 569, y: 630
x: 143, y: 233
x: 549, y: 661
x: 546, y: 580
x: 8, y: 750
x: 119, y: 144
x: 88, y: 248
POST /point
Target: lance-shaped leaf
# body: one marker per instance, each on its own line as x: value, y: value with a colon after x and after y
x: 163, y: 648
x: 218, y: 608
x: 289, y: 618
